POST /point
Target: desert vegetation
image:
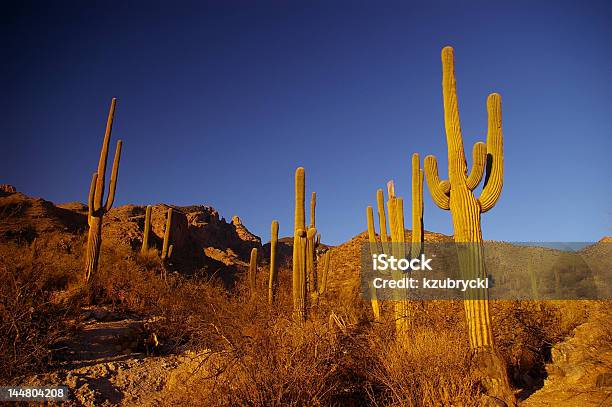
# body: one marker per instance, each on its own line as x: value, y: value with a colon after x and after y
x: 288, y: 330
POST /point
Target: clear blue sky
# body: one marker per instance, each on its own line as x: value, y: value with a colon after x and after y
x: 220, y: 102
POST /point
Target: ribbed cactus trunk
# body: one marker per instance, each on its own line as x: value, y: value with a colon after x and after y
x: 417, y: 207
x: 456, y: 194
x: 94, y: 242
x: 96, y: 209
x: 147, y: 230
x: 395, y: 206
x: 326, y: 261
x: 273, y: 280
x: 373, y: 250
x: 311, y: 245
x: 167, y: 235
x: 253, y: 271
x: 300, y: 288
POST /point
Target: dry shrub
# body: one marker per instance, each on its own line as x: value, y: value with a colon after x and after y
x: 431, y: 367
x: 277, y: 363
x: 30, y: 319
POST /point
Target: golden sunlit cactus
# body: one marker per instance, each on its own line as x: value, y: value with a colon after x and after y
x: 147, y: 230
x: 165, y: 254
x: 326, y: 260
x: 313, y: 205
x: 299, y: 283
x: 96, y: 209
x: 417, y: 207
x: 456, y: 195
x: 311, y: 268
x: 273, y: 281
x: 382, y: 219
x: 253, y: 271
x: 373, y: 250
x: 311, y: 245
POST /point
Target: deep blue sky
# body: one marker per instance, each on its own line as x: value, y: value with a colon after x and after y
x: 220, y: 102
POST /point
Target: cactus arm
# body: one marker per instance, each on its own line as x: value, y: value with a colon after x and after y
x: 104, y: 156
x: 457, y: 167
x: 113, y: 181
x: 90, y: 199
x: 438, y: 189
x: 382, y: 219
x: 479, y: 159
x: 494, y: 178
x: 313, y: 204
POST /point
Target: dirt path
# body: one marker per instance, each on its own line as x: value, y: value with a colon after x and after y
x: 106, y: 363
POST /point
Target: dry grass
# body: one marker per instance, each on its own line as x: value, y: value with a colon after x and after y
x: 259, y: 356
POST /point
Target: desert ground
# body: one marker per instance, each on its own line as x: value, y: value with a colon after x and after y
x: 193, y: 330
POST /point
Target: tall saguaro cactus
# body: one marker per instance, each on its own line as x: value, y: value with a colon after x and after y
x: 96, y: 209
x: 166, y: 247
x: 325, y: 272
x: 253, y: 271
x: 147, y: 230
x: 299, y: 284
x: 456, y: 194
x: 417, y: 207
x: 273, y: 281
x: 373, y: 250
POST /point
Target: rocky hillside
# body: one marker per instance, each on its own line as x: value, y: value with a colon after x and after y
x: 202, y: 240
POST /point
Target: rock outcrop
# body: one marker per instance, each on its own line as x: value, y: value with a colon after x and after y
x: 202, y: 240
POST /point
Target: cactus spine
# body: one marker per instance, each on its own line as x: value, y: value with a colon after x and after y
x: 253, y: 270
x: 147, y: 230
x: 373, y: 250
x: 96, y: 209
x: 456, y: 195
x: 165, y: 254
x: 273, y: 282
x: 299, y: 283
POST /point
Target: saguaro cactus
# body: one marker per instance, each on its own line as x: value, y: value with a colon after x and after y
x: 417, y: 207
x: 313, y: 205
x: 311, y: 265
x: 299, y: 284
x: 455, y: 194
x: 165, y: 253
x: 253, y: 270
x: 373, y: 250
x: 96, y: 209
x: 326, y: 260
x: 273, y: 281
x: 147, y: 230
